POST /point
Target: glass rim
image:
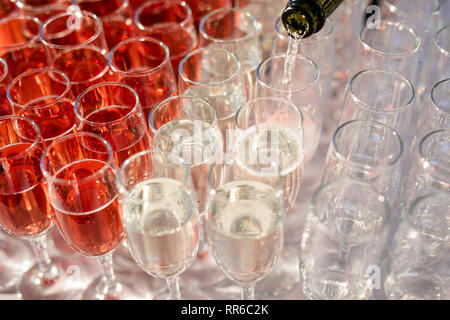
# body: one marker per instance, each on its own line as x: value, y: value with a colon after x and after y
x: 37, y: 140
x: 211, y: 123
x: 212, y: 83
x: 369, y: 123
x: 126, y: 42
x: 397, y: 75
x: 339, y: 183
x: 399, y: 26
x: 141, y: 154
x: 79, y: 135
x: 83, y: 119
x: 46, y: 70
x: 436, y: 105
x: 436, y: 40
x: 424, y: 155
x: 91, y: 15
x: 394, y: 8
x: 275, y: 100
x: 13, y: 17
x: 247, y: 36
x: 308, y: 40
x: 4, y: 69
x: 311, y: 84
x: 146, y: 4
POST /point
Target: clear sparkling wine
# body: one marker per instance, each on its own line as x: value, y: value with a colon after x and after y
x: 161, y: 226
x: 195, y: 142
x: 244, y: 231
x: 265, y: 153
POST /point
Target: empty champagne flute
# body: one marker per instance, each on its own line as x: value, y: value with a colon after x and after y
x: 80, y: 172
x: 423, y: 16
x: 303, y: 91
x: 237, y: 31
x: 383, y: 96
x: 76, y: 45
x: 429, y: 170
x: 418, y: 268
x: 215, y: 74
x: 435, y: 113
x: 44, y: 96
x: 112, y: 110
x: 144, y: 64
x: 20, y: 46
x: 437, y: 65
x: 116, y: 16
x: 348, y: 23
x: 25, y: 211
x: 170, y: 22
x: 343, y: 241
x: 366, y: 151
x: 394, y: 46
x: 244, y: 228
x: 160, y: 216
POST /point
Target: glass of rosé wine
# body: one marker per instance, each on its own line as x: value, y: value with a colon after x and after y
x: 26, y: 213
x: 80, y: 172
x: 172, y: 23
x: 143, y: 63
x: 75, y: 44
x: 112, y: 110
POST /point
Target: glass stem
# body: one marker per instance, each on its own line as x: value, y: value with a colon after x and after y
x: 47, y: 269
x: 113, y: 288
x: 248, y: 293
x: 174, y: 288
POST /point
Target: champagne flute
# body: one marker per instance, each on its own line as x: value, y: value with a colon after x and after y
x: 170, y: 22
x: 116, y: 16
x: 160, y: 216
x: 244, y: 228
x: 25, y: 211
x: 144, y: 64
x: 80, y: 172
x: 75, y: 44
x: 113, y: 111
x: 43, y: 95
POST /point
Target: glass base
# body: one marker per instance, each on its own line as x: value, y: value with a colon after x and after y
x: 131, y: 286
x: 284, y: 277
x: 72, y: 275
x: 15, y: 260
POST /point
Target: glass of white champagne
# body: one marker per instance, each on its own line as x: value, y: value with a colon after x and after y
x: 244, y: 228
x: 160, y: 216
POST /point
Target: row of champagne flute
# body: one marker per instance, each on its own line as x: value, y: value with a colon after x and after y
x: 379, y: 170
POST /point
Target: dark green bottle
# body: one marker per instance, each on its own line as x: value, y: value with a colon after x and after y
x: 303, y: 18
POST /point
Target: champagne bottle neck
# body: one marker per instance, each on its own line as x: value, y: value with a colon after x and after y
x: 303, y: 18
